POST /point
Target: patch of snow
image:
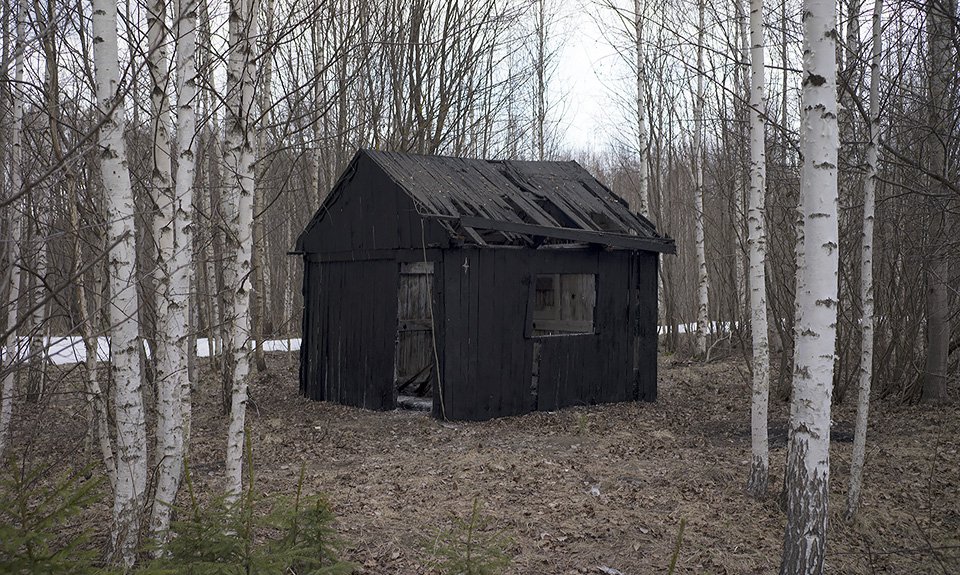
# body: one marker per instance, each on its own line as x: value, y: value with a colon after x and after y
x: 63, y: 350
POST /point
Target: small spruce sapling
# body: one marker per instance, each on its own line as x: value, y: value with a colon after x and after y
x: 470, y: 547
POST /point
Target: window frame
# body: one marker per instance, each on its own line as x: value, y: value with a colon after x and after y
x: 530, y: 328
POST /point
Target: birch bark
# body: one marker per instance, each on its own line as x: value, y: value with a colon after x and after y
x: 703, y: 304
x: 170, y: 358
x: 866, y: 276
x: 241, y: 74
x: 124, y: 336
x: 808, y: 459
x: 757, y: 240
x: 642, y: 205
x: 8, y: 387
x: 186, y: 50
x: 175, y: 250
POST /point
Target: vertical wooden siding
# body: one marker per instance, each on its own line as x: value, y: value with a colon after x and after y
x: 350, y: 317
x: 488, y: 360
x: 646, y: 268
x: 370, y: 213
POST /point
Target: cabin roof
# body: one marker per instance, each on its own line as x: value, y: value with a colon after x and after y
x: 505, y: 202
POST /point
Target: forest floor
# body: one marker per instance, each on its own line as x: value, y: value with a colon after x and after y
x: 578, y: 490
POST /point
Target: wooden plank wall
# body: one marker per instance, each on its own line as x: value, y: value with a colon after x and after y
x: 486, y: 355
x: 486, y: 367
x: 646, y: 268
x: 307, y: 327
x: 347, y: 353
x: 371, y: 213
x: 489, y: 362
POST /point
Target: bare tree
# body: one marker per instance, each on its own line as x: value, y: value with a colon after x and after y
x: 941, y: 29
x: 124, y: 337
x: 240, y: 161
x: 807, y: 473
x: 756, y: 224
x: 866, y: 274
x: 698, y: 158
x: 170, y: 356
x: 11, y: 343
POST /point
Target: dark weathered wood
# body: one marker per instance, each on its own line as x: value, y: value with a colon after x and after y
x: 471, y: 328
x: 414, y: 355
x: 599, y: 238
x: 647, y: 325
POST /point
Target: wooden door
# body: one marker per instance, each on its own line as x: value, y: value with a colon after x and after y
x: 415, y: 357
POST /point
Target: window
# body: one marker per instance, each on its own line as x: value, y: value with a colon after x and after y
x: 563, y: 304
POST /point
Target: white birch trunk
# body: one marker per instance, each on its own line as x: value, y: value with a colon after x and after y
x: 183, y: 280
x: 866, y: 276
x: 175, y: 262
x: 169, y: 431
x: 125, y: 332
x: 241, y: 73
x: 757, y: 240
x: 703, y: 304
x: 808, y: 459
x: 8, y: 387
x: 642, y: 205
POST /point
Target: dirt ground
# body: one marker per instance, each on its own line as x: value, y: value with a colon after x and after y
x: 577, y: 490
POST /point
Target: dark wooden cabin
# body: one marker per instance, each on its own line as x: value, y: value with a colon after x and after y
x: 489, y: 288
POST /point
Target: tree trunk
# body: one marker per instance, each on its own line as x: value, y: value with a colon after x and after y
x: 175, y: 262
x: 124, y: 340
x: 241, y: 74
x: 866, y: 276
x: 940, y: 14
x: 808, y: 457
x: 642, y: 203
x: 259, y: 237
x: 703, y: 304
x: 757, y: 240
x: 170, y: 363
x: 9, y: 367
x: 36, y: 325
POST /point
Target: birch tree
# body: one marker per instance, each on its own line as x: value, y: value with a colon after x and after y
x: 757, y: 241
x: 642, y: 205
x: 169, y: 358
x: 240, y: 160
x: 186, y: 51
x: 124, y: 336
x: 174, y: 249
x: 866, y: 275
x: 698, y: 160
x: 9, y: 367
x: 807, y: 472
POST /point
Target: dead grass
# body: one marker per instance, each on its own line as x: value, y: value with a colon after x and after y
x: 577, y: 489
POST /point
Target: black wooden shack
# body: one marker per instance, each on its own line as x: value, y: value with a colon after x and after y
x: 489, y: 288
